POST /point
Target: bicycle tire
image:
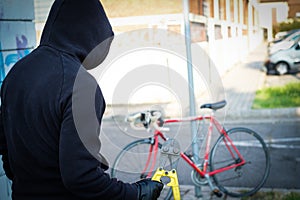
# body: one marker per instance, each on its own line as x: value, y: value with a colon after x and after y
x: 130, y: 162
x: 249, y: 178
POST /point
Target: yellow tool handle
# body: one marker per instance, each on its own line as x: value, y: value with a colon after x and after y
x: 176, y: 192
x: 158, y: 174
x: 173, y: 180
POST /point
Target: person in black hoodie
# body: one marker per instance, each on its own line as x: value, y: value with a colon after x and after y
x: 42, y: 150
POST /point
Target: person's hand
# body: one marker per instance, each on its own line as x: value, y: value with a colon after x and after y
x: 148, y: 189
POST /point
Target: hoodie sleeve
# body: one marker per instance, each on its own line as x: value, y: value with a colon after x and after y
x: 3, y: 149
x: 82, y: 173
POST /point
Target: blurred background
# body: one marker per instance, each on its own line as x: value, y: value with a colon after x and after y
x: 227, y: 30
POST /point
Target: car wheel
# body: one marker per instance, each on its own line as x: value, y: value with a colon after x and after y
x: 282, y: 68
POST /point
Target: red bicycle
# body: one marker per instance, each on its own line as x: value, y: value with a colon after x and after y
x: 239, y: 157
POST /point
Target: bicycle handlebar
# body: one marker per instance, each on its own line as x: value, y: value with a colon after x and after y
x: 143, y: 120
x: 146, y: 119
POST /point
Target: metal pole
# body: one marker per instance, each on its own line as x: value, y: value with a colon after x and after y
x: 195, y: 148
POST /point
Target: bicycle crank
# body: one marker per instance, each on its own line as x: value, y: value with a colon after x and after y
x: 197, y: 178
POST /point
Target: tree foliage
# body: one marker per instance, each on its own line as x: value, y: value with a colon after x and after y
x: 287, y: 25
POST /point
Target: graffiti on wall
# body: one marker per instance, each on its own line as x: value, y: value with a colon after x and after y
x: 2, y: 69
x: 7, y: 61
x: 22, y: 44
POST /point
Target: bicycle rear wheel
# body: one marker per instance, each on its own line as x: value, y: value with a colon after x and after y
x: 130, y: 163
x: 247, y: 179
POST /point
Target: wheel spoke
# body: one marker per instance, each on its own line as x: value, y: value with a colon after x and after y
x: 131, y: 161
x: 252, y: 174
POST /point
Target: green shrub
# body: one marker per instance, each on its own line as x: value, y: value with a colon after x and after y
x: 288, y: 25
x: 274, y: 195
x: 291, y: 196
x: 278, y: 97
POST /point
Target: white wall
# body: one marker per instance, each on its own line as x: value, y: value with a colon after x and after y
x: 265, y: 15
x: 221, y: 54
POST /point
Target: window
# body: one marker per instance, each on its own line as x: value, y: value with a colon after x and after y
x: 198, y: 32
x: 218, y: 32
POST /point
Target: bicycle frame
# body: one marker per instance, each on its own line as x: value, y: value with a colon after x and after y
x: 203, y: 172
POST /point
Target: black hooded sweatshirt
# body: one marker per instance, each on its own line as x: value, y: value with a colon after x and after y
x: 43, y: 153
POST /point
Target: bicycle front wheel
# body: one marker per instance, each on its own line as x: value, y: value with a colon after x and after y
x: 246, y: 179
x: 132, y: 163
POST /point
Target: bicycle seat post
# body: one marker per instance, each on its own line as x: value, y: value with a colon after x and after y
x: 213, y: 113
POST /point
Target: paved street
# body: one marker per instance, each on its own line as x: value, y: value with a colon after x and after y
x: 283, y: 140
x: 281, y: 136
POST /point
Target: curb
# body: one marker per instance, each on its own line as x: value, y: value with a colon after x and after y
x: 206, y: 192
x: 269, y: 114
x: 261, y: 114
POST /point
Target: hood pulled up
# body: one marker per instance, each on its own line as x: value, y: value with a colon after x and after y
x: 77, y: 27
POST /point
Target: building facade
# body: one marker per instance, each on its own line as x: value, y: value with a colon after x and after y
x: 220, y: 26
x: 226, y: 29
x: 294, y: 8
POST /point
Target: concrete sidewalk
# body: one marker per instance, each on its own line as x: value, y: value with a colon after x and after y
x: 243, y: 79
x: 188, y: 193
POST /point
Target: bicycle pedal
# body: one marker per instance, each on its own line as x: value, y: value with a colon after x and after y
x: 217, y: 193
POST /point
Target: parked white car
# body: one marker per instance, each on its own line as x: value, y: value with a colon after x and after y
x: 285, y: 43
x: 284, y: 61
x: 280, y: 35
